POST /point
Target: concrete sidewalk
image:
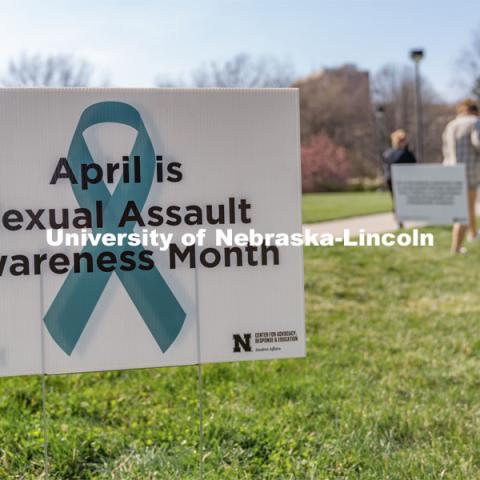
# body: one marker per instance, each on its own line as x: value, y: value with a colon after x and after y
x: 377, y: 223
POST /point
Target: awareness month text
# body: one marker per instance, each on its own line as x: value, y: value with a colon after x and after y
x: 130, y: 216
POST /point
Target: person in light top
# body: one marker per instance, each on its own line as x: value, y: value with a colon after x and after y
x: 461, y: 144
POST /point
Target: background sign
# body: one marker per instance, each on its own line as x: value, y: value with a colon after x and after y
x: 435, y: 194
x: 123, y: 161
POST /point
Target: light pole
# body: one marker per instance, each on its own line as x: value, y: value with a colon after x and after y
x: 416, y: 55
x: 379, y: 116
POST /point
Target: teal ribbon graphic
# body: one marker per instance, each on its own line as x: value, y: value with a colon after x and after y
x: 72, y: 307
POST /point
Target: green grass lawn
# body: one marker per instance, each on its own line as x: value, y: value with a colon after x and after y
x: 390, y: 389
x: 320, y: 207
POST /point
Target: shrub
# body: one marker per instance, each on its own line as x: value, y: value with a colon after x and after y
x: 325, y: 166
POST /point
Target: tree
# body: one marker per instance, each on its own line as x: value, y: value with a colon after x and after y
x: 325, y: 166
x: 336, y: 102
x: 469, y: 65
x: 48, y: 71
x: 394, y: 90
x: 240, y: 71
x: 244, y: 71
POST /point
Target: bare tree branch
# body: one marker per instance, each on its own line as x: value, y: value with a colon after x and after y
x: 468, y: 65
x: 244, y: 71
x: 241, y: 71
x: 394, y: 90
x: 48, y: 71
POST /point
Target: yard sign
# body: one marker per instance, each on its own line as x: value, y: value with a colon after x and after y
x: 117, y: 162
x: 436, y: 194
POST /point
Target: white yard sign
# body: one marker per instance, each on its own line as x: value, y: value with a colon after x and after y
x: 126, y: 161
x: 435, y: 194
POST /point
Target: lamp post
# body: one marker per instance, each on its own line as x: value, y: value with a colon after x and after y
x: 379, y: 117
x: 417, y: 55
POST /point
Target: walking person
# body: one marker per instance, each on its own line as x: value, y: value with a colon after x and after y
x: 461, y: 144
x: 398, y: 153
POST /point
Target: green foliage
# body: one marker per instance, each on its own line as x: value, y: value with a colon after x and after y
x: 320, y: 207
x: 389, y: 390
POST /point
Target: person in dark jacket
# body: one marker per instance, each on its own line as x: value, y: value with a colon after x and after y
x: 399, y: 153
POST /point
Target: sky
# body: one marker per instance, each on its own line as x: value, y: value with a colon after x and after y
x: 130, y: 43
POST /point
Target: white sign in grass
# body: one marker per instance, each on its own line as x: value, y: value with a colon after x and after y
x: 132, y: 162
x: 435, y: 194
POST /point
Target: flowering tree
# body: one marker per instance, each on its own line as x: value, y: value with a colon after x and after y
x: 325, y: 165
